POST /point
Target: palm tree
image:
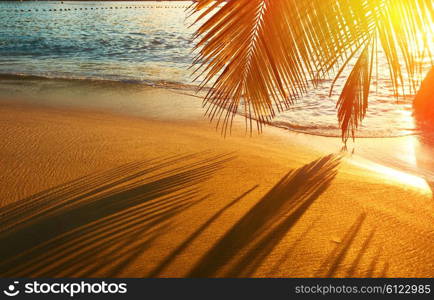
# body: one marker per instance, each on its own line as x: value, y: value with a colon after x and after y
x: 261, y: 55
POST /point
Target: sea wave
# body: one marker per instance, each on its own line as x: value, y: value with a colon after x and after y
x: 99, y: 80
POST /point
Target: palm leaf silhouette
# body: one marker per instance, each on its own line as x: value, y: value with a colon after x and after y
x: 261, y: 55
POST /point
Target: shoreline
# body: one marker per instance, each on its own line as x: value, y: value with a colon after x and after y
x: 168, y: 103
x: 144, y: 83
x: 182, y: 88
x: 131, y: 99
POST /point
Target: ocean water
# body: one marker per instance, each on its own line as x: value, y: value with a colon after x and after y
x: 151, y: 43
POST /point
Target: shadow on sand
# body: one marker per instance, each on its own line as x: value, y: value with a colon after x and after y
x: 346, y: 259
x: 245, y: 246
x: 100, y: 223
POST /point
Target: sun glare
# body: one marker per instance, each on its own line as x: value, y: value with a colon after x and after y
x: 394, y: 176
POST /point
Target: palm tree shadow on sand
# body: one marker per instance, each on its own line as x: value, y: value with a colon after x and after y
x: 246, y: 245
x: 341, y: 263
x: 100, y: 223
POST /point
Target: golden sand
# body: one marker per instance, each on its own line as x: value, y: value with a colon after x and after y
x: 154, y: 190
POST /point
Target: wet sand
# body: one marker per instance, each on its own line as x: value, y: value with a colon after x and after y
x: 137, y: 184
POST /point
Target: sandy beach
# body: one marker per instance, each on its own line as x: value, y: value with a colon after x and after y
x: 148, y: 188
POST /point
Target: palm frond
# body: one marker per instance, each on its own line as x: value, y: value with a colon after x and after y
x: 353, y: 101
x: 248, y: 46
x: 261, y: 55
x: 403, y: 28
